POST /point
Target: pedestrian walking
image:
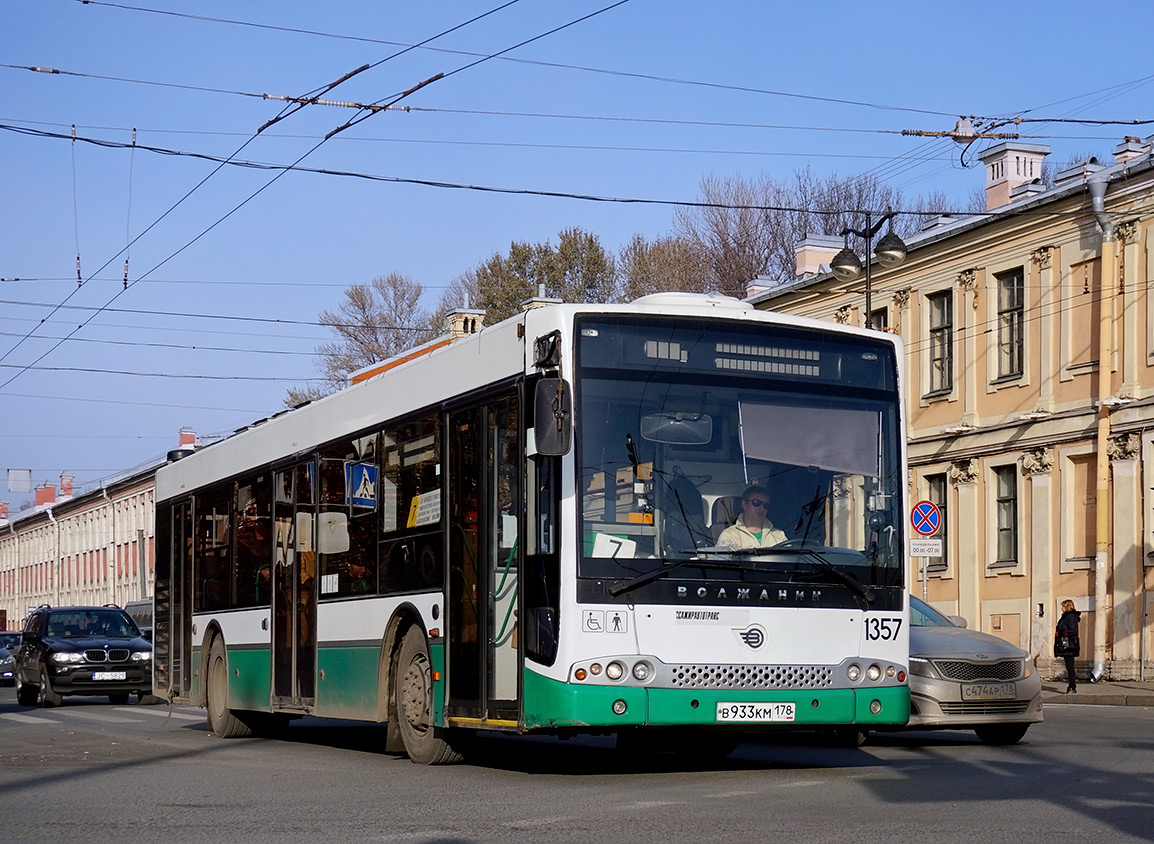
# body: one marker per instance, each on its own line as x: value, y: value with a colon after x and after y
x: 1066, y: 644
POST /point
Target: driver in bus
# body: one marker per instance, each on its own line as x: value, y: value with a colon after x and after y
x: 752, y: 529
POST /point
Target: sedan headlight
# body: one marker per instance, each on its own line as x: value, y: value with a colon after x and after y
x: 922, y: 667
x: 141, y: 656
x: 64, y: 657
x: 7, y: 662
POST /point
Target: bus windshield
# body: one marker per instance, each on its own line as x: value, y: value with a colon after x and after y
x: 743, y: 448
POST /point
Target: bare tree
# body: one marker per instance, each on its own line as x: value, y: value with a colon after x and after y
x: 656, y: 266
x: 374, y: 322
x: 731, y: 231
x: 750, y: 228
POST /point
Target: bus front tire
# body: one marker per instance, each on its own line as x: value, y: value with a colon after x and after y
x: 221, y: 719
x: 424, y: 743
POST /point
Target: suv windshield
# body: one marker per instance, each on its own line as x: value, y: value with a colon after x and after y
x: 685, y: 432
x: 80, y: 624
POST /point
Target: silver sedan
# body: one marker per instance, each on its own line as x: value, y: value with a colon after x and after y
x: 964, y: 679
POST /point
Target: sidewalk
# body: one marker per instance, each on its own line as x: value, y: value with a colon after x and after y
x: 1105, y: 693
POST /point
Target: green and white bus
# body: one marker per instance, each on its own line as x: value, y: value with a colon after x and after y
x: 519, y: 531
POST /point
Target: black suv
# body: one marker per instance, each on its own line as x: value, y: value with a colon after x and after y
x: 82, y: 651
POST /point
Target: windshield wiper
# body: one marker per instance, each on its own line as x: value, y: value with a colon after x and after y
x: 812, y: 558
x: 820, y: 563
x: 665, y: 571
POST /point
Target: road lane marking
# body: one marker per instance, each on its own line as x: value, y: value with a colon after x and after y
x: 27, y: 719
x: 96, y: 716
x: 162, y: 713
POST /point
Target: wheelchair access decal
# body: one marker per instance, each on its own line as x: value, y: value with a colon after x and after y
x: 599, y: 621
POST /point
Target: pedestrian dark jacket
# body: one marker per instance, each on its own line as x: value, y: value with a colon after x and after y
x: 1067, y: 628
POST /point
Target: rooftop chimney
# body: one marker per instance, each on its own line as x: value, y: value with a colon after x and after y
x: 539, y: 301
x: 815, y: 250
x: 187, y: 438
x: 45, y: 494
x: 1078, y: 172
x: 3, y: 511
x: 1130, y: 147
x: 1008, y: 165
x: 65, y: 485
x: 464, y: 321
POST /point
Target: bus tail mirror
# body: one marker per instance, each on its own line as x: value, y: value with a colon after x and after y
x: 553, y: 415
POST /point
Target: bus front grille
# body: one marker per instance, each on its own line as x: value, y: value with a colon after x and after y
x: 751, y: 676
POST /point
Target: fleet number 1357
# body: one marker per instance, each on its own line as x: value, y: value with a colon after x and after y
x: 883, y: 629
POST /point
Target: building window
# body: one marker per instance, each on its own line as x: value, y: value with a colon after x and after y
x: 880, y: 319
x: 941, y: 341
x: 1006, y: 507
x: 1011, y: 312
x: 937, y: 487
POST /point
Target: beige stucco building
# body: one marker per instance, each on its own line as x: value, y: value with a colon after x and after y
x: 1041, y: 459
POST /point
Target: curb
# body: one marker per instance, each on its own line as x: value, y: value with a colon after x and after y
x: 1098, y: 694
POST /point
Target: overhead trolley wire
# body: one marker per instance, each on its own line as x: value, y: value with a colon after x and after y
x: 220, y: 165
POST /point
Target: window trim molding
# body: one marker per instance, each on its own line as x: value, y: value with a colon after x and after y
x: 932, y: 394
x: 996, y: 380
x: 995, y: 566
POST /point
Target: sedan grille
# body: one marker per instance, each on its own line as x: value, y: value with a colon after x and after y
x: 112, y: 655
x: 956, y: 669
x: 751, y: 676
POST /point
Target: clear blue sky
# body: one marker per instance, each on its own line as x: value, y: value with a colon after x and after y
x: 637, y: 102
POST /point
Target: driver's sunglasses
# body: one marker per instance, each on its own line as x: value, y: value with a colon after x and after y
x: 757, y: 502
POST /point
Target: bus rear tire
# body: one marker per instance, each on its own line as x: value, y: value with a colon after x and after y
x: 424, y: 743
x: 221, y: 719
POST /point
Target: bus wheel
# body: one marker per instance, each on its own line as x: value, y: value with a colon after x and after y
x: 220, y: 718
x: 705, y: 746
x: 424, y: 743
x: 844, y: 736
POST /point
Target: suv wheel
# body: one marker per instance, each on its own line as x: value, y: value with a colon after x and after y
x: 47, y: 696
x: 26, y: 695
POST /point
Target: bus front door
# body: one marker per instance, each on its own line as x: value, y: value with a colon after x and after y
x: 485, y: 507
x: 294, y: 589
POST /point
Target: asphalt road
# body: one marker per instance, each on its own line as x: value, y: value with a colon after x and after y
x: 94, y: 772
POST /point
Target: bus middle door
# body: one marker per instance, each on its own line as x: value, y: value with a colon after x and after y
x: 294, y: 588
x: 485, y: 507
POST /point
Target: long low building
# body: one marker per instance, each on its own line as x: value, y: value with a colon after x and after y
x: 93, y: 547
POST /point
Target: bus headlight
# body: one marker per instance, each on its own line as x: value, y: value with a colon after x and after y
x: 642, y: 671
x: 615, y: 670
x: 874, y: 672
x: 853, y: 672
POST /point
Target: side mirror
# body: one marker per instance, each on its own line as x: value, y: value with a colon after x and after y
x: 553, y: 417
x: 958, y: 621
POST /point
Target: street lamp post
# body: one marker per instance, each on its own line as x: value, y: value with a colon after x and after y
x: 891, y: 251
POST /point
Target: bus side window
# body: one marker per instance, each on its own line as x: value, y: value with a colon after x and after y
x: 410, y: 503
